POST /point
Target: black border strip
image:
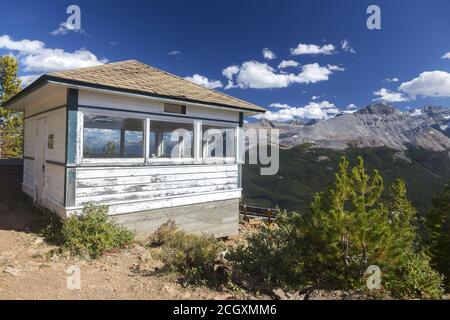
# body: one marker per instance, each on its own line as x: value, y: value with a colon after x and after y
x: 28, y: 158
x: 46, y: 78
x: 158, y: 114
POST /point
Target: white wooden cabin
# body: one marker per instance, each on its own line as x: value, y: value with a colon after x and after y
x: 107, y: 135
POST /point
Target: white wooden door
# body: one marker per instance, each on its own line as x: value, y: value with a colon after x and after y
x: 40, y: 156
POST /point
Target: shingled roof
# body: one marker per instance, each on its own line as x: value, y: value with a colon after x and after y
x: 138, y: 77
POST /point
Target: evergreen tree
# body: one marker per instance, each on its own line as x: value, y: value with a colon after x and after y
x: 437, y: 224
x: 11, y: 123
x: 350, y: 227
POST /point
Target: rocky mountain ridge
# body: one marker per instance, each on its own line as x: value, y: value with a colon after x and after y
x: 375, y: 125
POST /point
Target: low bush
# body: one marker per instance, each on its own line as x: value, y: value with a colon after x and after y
x: 416, y: 279
x: 191, y: 255
x: 89, y: 234
x: 269, y: 258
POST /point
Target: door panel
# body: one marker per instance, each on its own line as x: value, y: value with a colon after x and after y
x: 40, y: 156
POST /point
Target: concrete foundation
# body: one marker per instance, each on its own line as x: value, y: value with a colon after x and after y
x: 219, y: 218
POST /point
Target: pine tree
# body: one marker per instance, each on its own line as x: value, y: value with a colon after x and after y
x: 350, y: 227
x: 11, y: 123
x: 437, y: 224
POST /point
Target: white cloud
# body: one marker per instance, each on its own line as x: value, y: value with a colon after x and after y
x: 174, y: 53
x: 28, y: 79
x: 287, y: 64
x: 389, y: 96
x: 335, y: 67
x: 312, y: 73
x: 257, y: 75
x: 313, y: 98
x: 228, y: 73
x: 352, y: 106
x: 268, y: 54
x: 204, y: 81
x: 446, y: 56
x: 279, y: 105
x: 313, y: 110
x: 27, y: 46
x: 35, y: 57
x: 65, y: 27
x: 302, y: 48
x: 345, y: 45
x: 428, y: 84
x: 391, y: 79
x: 114, y: 43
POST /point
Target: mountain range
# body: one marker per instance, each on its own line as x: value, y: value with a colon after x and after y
x: 413, y: 146
x: 373, y: 126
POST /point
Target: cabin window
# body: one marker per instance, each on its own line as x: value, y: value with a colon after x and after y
x: 219, y: 142
x: 174, y: 108
x: 112, y: 137
x: 171, y: 139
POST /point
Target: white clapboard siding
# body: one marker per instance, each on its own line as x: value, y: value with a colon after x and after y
x: 114, y: 189
x: 29, y: 182
x: 134, y: 206
x: 54, y: 182
x: 108, y: 172
x: 149, y: 195
x: 29, y: 141
x: 136, y: 180
x: 130, y: 184
x: 56, y: 126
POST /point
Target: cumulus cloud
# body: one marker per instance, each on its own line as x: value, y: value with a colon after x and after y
x: 65, y: 27
x: 279, y: 105
x: 174, y: 53
x: 36, y: 57
x: 268, y: 54
x: 389, y: 96
x: 312, y: 49
x: 446, y: 56
x: 28, y: 79
x: 428, y: 84
x: 391, y: 79
x: 313, y: 110
x: 257, y: 75
x: 345, y: 45
x: 228, y: 73
x: 288, y: 63
x: 333, y: 67
x: 204, y: 81
x: 352, y: 106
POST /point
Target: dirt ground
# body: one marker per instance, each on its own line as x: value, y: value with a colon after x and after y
x: 29, y: 269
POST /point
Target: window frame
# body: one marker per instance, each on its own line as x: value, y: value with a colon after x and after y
x: 146, y: 160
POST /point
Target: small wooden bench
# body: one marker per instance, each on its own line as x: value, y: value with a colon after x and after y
x: 249, y: 212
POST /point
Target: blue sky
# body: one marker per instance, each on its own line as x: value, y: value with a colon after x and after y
x: 204, y: 38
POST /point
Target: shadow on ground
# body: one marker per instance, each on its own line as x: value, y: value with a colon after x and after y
x: 17, y: 211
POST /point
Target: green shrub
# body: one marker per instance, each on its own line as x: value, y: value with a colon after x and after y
x: 191, y: 255
x: 269, y: 256
x: 92, y: 233
x: 162, y: 234
x: 416, y: 279
x: 348, y: 228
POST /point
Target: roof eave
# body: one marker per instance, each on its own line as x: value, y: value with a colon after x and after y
x: 42, y: 80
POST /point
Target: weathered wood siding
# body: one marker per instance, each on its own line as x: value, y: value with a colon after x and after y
x: 56, y: 126
x: 29, y: 142
x: 112, y: 185
x: 54, y: 157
